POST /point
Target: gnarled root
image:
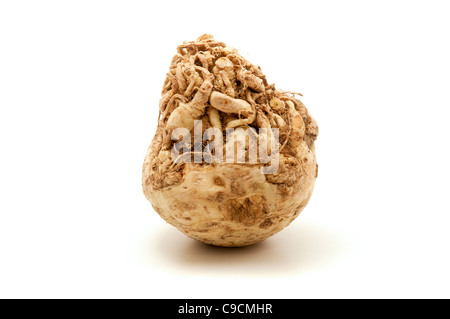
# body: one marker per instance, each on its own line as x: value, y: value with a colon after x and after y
x: 297, y: 125
x: 185, y: 114
x: 250, y: 80
x: 227, y: 104
x: 212, y: 82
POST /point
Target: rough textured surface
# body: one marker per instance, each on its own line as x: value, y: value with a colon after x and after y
x: 228, y: 204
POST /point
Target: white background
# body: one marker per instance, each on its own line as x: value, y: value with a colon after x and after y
x: 79, y: 88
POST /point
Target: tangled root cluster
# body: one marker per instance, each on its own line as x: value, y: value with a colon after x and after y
x: 221, y: 203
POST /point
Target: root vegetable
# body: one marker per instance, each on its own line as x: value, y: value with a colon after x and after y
x: 222, y: 203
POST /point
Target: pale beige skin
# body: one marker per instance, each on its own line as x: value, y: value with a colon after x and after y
x: 228, y: 204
